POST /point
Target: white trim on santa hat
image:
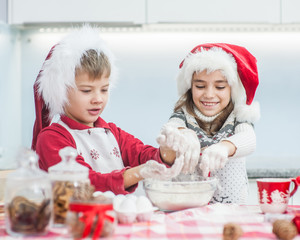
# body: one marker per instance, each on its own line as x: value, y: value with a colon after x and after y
x: 217, y: 59
x: 59, y: 69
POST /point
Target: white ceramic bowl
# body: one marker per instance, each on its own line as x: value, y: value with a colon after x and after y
x: 173, y: 196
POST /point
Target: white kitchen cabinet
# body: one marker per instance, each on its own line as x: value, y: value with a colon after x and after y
x: 213, y: 11
x: 70, y: 11
x: 150, y: 11
x: 290, y: 11
x: 3, y: 11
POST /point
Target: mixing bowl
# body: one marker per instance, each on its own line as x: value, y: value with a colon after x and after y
x: 179, y: 195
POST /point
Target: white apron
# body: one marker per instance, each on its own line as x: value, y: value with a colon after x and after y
x: 98, y: 147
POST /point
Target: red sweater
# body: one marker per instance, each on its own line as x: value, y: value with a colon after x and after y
x: 55, y: 137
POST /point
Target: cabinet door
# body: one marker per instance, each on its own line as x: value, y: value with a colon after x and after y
x: 213, y: 11
x: 290, y: 11
x: 3, y: 11
x: 56, y: 11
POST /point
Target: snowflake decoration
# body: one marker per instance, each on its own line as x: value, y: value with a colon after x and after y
x: 116, y: 152
x: 94, y: 154
x: 219, y: 136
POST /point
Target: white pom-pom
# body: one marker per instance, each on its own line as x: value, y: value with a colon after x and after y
x: 247, y: 113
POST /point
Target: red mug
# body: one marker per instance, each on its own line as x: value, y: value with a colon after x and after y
x: 274, y: 193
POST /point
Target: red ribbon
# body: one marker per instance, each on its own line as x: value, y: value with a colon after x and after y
x: 296, y: 221
x: 90, y: 211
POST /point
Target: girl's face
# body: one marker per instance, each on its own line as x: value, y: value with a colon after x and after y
x: 211, y: 92
x: 88, y: 100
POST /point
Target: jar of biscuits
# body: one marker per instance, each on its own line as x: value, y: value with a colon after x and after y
x: 28, y: 198
x: 91, y: 219
x: 70, y: 180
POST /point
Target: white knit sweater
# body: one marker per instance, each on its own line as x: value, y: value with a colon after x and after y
x: 233, y: 180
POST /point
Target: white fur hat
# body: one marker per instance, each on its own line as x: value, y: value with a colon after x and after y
x: 59, y: 68
x: 236, y: 64
x: 58, y: 73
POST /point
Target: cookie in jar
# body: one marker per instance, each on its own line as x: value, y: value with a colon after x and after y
x: 28, y: 198
x: 70, y: 180
x: 92, y: 218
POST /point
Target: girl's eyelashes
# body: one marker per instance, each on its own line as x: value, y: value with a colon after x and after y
x: 220, y: 88
x: 85, y: 91
x: 217, y: 87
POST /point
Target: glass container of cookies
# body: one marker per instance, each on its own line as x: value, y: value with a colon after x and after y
x: 92, y: 219
x: 70, y: 180
x: 28, y: 198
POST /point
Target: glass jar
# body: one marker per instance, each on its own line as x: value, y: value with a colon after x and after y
x: 28, y: 198
x: 91, y: 219
x: 70, y: 180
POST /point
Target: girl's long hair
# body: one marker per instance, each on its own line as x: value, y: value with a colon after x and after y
x: 210, y: 128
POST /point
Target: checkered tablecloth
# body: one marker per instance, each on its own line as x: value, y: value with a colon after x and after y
x: 197, y: 223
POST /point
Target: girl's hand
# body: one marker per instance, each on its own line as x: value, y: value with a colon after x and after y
x: 182, y: 141
x: 190, y: 148
x: 214, y: 157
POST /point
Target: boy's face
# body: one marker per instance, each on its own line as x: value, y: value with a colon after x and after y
x: 88, y: 100
x: 211, y: 92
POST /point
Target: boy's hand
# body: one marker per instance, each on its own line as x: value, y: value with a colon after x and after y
x: 155, y: 170
x: 184, y: 142
x: 213, y: 158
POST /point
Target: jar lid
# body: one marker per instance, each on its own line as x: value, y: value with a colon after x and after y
x: 68, y: 169
x: 27, y: 166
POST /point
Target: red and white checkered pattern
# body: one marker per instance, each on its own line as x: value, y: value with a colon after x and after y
x: 197, y: 223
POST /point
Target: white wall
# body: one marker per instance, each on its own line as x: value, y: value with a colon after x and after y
x: 10, y: 96
x: 145, y: 93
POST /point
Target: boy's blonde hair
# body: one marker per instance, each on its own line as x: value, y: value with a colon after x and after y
x: 82, y: 50
x: 94, y: 64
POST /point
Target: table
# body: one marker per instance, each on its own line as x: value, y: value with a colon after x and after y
x: 195, y: 223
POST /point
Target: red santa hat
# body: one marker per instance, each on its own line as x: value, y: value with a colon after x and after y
x: 237, y: 65
x: 58, y: 74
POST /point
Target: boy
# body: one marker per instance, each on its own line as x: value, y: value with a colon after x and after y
x: 74, y: 84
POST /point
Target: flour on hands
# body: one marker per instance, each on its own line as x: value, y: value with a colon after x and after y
x: 155, y: 170
x: 183, y: 141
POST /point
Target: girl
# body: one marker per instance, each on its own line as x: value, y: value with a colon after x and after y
x: 74, y: 83
x: 217, y: 84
